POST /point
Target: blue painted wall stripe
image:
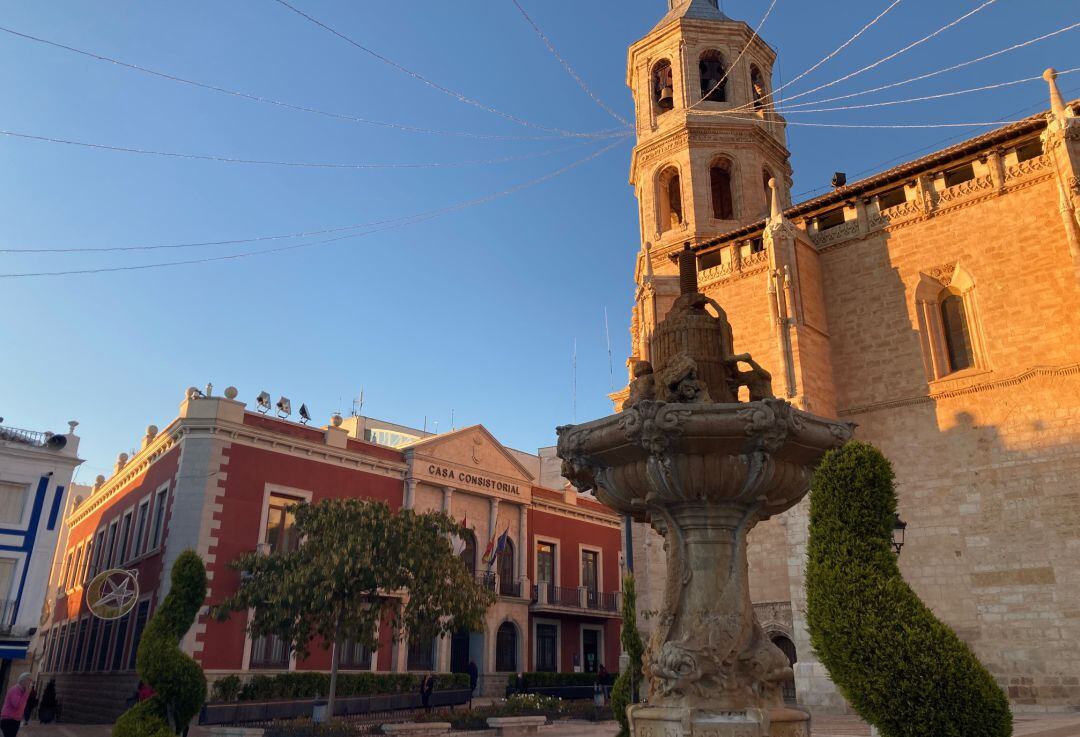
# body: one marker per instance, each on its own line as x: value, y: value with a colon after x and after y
x: 55, y: 512
x: 31, y: 535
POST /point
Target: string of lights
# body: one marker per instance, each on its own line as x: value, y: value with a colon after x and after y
x: 393, y: 224
x: 566, y: 65
x: 831, y: 55
x: 883, y: 126
x: 421, y: 78
x: 935, y: 73
x: 887, y: 103
x: 727, y: 72
x: 296, y: 107
x: 885, y: 59
x: 297, y: 164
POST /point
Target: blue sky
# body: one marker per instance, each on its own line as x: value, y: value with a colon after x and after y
x: 474, y: 312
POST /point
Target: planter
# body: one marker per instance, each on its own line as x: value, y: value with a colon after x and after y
x: 257, y: 711
x: 417, y: 729
x: 508, y: 726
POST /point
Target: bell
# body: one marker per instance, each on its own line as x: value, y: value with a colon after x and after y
x: 666, y: 99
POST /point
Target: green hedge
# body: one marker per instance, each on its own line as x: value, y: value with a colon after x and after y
x: 304, y: 685
x: 901, y: 669
x: 554, y: 680
x: 628, y: 685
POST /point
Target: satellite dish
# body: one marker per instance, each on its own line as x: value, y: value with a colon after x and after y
x: 284, y: 407
x: 263, y: 402
x: 305, y: 416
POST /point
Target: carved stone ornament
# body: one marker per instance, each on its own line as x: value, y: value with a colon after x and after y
x: 703, y: 472
x: 943, y: 273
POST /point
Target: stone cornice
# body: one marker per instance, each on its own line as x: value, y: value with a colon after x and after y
x: 566, y: 510
x: 973, y: 388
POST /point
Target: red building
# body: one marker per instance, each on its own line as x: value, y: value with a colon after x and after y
x: 219, y: 478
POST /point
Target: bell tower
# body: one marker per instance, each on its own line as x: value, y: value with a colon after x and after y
x: 708, y: 142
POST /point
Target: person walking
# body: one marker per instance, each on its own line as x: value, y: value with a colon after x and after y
x: 474, y: 677
x: 14, y: 709
x: 426, y: 687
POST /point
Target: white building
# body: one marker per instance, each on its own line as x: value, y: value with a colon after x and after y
x: 35, y: 476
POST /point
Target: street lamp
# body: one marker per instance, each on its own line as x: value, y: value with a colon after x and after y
x: 898, y: 528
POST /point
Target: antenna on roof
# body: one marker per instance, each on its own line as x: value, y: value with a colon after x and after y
x: 358, y: 404
x: 610, y: 369
x: 451, y: 420
x: 573, y: 382
x: 425, y: 423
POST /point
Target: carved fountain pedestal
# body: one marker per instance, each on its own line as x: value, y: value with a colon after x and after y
x: 703, y: 473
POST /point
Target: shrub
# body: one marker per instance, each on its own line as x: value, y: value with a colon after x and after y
x: 227, y: 688
x: 177, y: 679
x: 310, y: 684
x: 627, y: 685
x: 898, y: 666
x: 554, y: 680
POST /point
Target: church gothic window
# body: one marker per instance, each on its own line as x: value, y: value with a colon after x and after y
x: 663, y: 86
x: 757, y: 87
x: 671, y: 208
x: 713, y: 77
x: 720, y: 182
x: 949, y: 329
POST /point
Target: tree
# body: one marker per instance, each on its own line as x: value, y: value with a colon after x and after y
x: 334, y: 585
x: 178, y: 681
x: 902, y: 669
x: 627, y: 685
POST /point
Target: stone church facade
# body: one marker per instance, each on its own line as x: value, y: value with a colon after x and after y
x: 933, y: 304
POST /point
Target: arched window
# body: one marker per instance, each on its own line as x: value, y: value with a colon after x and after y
x: 954, y: 324
x: 468, y: 555
x: 713, y: 81
x: 506, y: 648
x: 663, y: 86
x: 507, y: 577
x: 671, y: 211
x: 757, y: 87
x: 723, y: 206
x: 787, y: 647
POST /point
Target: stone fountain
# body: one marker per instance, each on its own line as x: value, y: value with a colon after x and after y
x: 703, y: 468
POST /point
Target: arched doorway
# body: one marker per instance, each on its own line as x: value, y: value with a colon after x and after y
x: 787, y: 647
x: 506, y: 648
x: 459, y: 651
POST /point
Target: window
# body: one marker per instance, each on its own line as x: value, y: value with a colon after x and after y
x: 1029, y: 150
x: 7, y: 578
x: 118, y: 648
x: 710, y: 259
x: 125, y: 537
x: 891, y: 198
x: 99, y: 547
x: 663, y: 87
x: 87, y: 560
x: 671, y: 211
x: 158, y: 527
x: 141, y: 614
x: 86, y: 658
x: 269, y: 651
x: 505, y: 568
x: 12, y: 502
x: 355, y: 656
x: 468, y: 555
x: 713, y: 79
x: 140, y: 528
x: 757, y: 245
x: 720, y: 181
x: 830, y: 219
x: 506, y: 643
x: 421, y: 653
x: 65, y: 573
x: 590, y: 570
x: 103, y: 646
x: 959, y: 175
x: 757, y: 87
x: 65, y: 650
x: 80, y: 643
x: 545, y: 562
x: 280, y: 521
x: 76, y: 569
x: 957, y: 337
x: 547, y: 644
x: 110, y: 548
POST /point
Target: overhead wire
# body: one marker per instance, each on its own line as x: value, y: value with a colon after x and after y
x: 400, y: 222
x: 294, y: 106
x: 727, y: 72
x: 940, y: 95
x: 884, y: 59
x: 566, y: 65
x: 832, y: 54
x: 895, y: 126
x: 299, y: 164
x: 421, y: 78
x: 936, y: 72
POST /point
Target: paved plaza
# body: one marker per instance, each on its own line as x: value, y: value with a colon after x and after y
x: 1025, y: 725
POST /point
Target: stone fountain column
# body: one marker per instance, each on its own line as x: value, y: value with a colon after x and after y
x: 703, y: 473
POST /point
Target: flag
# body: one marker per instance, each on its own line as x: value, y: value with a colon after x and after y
x: 489, y: 555
x: 457, y: 542
x: 500, y: 546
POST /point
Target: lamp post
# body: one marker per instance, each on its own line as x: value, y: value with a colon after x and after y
x: 898, y: 528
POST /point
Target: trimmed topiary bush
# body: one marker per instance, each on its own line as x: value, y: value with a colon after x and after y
x: 177, y: 679
x: 898, y: 666
x: 625, y: 691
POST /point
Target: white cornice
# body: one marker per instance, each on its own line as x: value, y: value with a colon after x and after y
x: 566, y: 510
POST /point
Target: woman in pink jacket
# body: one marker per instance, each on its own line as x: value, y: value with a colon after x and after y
x: 15, y: 706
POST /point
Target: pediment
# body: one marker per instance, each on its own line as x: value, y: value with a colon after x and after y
x: 471, y: 447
